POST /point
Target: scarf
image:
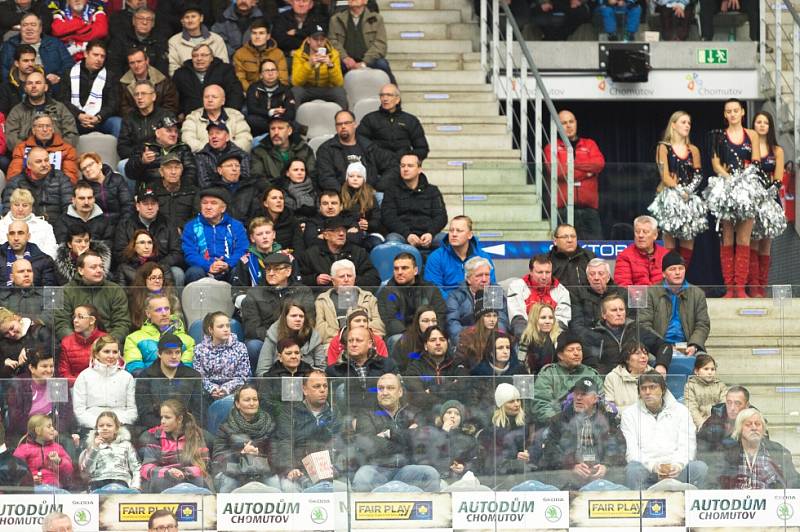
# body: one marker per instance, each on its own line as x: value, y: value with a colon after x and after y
x: 539, y: 294
x: 95, y: 99
x: 256, y: 267
x: 259, y: 428
x: 11, y: 257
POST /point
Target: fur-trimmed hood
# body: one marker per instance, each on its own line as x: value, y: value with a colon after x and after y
x: 66, y: 268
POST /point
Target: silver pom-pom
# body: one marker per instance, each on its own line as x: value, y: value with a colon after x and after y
x: 679, y: 212
x: 770, y: 220
x: 736, y: 197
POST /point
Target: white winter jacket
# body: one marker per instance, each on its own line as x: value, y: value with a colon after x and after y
x: 100, y: 387
x: 518, y: 293
x: 668, y: 437
x: 41, y: 232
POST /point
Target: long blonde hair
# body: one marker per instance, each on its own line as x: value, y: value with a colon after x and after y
x: 531, y: 334
x: 501, y: 419
x: 668, y: 136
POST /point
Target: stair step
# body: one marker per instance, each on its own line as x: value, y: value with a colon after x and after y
x: 430, y: 30
x: 450, y: 129
x: 432, y: 121
x: 444, y: 108
x: 431, y: 65
x: 423, y: 45
x: 429, y: 55
x: 477, y: 157
x: 422, y: 16
x: 408, y: 5
x: 449, y: 96
x: 468, y: 143
x: 439, y: 77
x: 532, y: 232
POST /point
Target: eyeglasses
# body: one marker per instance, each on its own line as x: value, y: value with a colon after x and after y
x: 144, y: 19
x: 567, y: 237
x: 138, y: 94
x: 269, y: 70
x: 82, y: 317
x: 340, y: 124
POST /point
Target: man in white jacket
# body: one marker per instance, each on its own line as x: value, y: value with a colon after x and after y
x: 538, y: 286
x: 660, y: 437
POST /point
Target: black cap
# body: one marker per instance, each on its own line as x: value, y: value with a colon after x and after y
x: 216, y: 192
x: 585, y: 385
x: 318, y: 30
x: 219, y: 124
x: 228, y: 156
x: 171, y: 157
x: 169, y: 341
x: 671, y: 259
x: 566, y: 338
x: 279, y: 116
x: 277, y: 259
x: 334, y: 222
x: 167, y: 121
x: 191, y: 7
x: 144, y: 193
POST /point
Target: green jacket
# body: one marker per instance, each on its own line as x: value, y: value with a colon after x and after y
x: 692, y: 309
x: 372, y: 27
x: 267, y: 163
x: 109, y: 299
x: 553, y: 384
x: 141, y: 346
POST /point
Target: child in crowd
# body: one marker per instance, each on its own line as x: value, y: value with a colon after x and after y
x: 46, y: 459
x: 703, y: 389
x: 360, y: 203
x: 110, y: 464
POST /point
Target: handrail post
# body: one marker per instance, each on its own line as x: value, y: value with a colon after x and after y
x: 495, y: 44
x: 778, y: 58
x: 762, y: 39
x: 484, y: 35
x: 509, y: 77
x: 570, y: 184
x: 523, y: 111
x: 553, y: 174
x: 538, y: 129
x: 796, y: 87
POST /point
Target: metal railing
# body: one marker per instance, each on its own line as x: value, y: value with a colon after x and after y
x: 510, y: 80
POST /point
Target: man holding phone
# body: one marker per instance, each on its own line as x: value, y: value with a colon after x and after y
x: 317, y: 71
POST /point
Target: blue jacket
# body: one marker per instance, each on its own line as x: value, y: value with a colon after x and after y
x: 228, y: 239
x: 461, y: 312
x: 54, y: 57
x: 445, y: 269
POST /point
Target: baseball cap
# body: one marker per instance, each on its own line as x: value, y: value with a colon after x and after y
x: 169, y: 341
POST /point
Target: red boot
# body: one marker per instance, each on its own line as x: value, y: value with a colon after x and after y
x: 763, y: 278
x: 741, y: 270
x: 726, y: 262
x: 753, y: 280
x: 686, y: 255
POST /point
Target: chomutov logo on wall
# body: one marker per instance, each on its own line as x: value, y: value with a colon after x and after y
x: 628, y: 508
x: 693, y: 82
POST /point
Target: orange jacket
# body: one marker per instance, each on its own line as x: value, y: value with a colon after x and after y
x: 69, y: 156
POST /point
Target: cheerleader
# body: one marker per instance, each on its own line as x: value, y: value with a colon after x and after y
x: 733, y: 194
x: 770, y: 219
x: 679, y: 210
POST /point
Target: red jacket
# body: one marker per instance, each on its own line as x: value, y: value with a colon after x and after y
x: 34, y: 454
x: 75, y: 354
x: 336, y: 347
x: 637, y: 268
x: 589, y: 162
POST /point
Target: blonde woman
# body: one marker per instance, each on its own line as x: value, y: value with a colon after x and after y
x: 537, y: 343
x: 505, y: 443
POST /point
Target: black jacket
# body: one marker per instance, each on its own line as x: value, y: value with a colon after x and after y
x: 113, y: 196
x: 286, y: 22
x: 66, y: 262
x: 155, y: 45
x: 177, y: 207
x: 207, y: 158
x: 53, y: 193
x: 11, y: 93
x: 148, y: 173
x: 398, y: 304
x: 262, y: 307
x: 38, y: 338
x: 430, y: 384
x: 190, y: 90
x: 260, y: 101
x: 138, y: 129
x: 110, y: 92
x: 99, y: 226
x: 164, y: 233
x: 153, y: 388
x: 242, y: 194
x: 359, y: 391
x: 394, y: 451
x: 607, y: 354
x: 44, y: 273
x: 587, y: 309
x: 287, y: 228
x: 418, y: 211
x: 318, y: 259
x: 314, y: 225
x: 26, y: 302
x: 301, y: 433
x: 571, y: 270
x: 398, y: 132
x: 332, y: 161
x: 11, y: 15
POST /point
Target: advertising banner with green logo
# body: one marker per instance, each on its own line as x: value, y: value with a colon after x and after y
x: 518, y: 510
x: 275, y: 511
x: 742, y: 508
x: 25, y: 513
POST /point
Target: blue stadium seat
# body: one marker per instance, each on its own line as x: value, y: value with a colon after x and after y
x: 679, y: 371
x: 382, y: 258
x: 196, y: 330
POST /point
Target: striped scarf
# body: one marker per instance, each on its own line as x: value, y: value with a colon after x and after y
x: 95, y: 100
x: 11, y: 258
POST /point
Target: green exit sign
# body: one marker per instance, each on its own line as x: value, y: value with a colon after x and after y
x: 712, y: 56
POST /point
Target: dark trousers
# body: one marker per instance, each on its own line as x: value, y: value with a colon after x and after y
x: 709, y: 8
x: 672, y: 27
x: 559, y: 23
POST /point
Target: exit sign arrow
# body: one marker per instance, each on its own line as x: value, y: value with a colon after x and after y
x: 712, y: 56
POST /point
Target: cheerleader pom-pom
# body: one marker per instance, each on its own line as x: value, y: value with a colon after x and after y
x: 735, y: 198
x: 770, y: 222
x: 680, y: 214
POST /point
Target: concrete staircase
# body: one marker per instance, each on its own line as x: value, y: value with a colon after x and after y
x: 472, y: 158
x: 757, y: 344
x: 785, y: 114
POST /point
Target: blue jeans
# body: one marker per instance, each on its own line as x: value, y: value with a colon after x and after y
x: 188, y: 487
x: 218, y: 412
x: 438, y: 238
x: 254, y: 350
x: 115, y: 488
x: 533, y: 485
x: 110, y: 126
x: 631, y: 12
x: 48, y: 488
x: 369, y: 477
x: 637, y: 476
x: 177, y: 276
x: 226, y: 484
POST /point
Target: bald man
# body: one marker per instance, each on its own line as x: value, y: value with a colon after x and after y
x: 589, y: 162
x: 51, y: 188
x: 19, y: 247
x: 195, y: 129
x: 393, y: 129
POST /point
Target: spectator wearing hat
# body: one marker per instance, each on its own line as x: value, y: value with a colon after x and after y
x: 139, y: 122
x: 268, y: 95
x: 660, y: 438
x: 556, y: 380
x: 357, y: 316
x: 144, y: 163
x: 241, y: 190
x: 461, y: 302
x: 359, y: 35
x: 175, y: 192
x: 194, y: 33
x: 413, y: 210
x: 316, y: 261
x: 271, y: 157
x: 293, y: 26
x: 167, y: 378
x: 219, y: 145
x: 195, y: 129
x: 538, y: 286
x: 248, y: 61
x: 676, y: 311
x: 164, y: 232
x: 448, y: 444
x: 317, y: 71
x: 584, y: 443
x: 213, y: 241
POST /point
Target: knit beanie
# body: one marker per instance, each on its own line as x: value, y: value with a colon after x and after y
x: 671, y: 259
x: 504, y: 393
x: 356, y: 312
x: 358, y: 168
x: 452, y: 403
x: 481, y: 303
